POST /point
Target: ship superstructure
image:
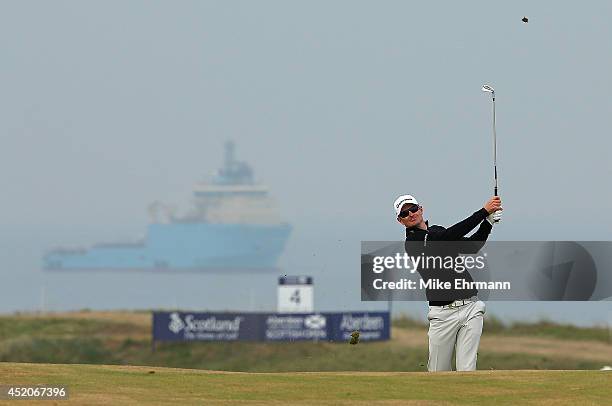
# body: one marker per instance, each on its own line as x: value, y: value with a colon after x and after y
x: 233, y: 223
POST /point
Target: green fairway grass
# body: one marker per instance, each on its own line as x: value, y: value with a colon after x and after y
x: 117, y: 385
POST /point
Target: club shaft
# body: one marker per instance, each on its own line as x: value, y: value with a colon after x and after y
x: 494, y: 149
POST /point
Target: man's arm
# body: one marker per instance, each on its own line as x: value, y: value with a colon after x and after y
x: 477, y: 240
x: 458, y: 231
x: 482, y: 233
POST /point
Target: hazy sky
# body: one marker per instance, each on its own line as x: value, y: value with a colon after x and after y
x: 339, y: 106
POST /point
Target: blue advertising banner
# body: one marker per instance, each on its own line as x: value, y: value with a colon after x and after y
x: 371, y: 326
x: 187, y: 326
x: 193, y: 326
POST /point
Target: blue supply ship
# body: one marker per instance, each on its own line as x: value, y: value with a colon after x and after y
x: 233, y: 224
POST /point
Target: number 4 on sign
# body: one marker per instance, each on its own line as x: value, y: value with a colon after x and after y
x: 295, y: 297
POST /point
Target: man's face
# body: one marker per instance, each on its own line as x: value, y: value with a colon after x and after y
x: 412, y: 218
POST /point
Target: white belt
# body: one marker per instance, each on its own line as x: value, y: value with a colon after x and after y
x: 459, y: 303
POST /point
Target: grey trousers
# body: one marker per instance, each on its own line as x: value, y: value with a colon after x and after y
x: 456, y: 329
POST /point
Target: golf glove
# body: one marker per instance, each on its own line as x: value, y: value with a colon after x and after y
x: 494, y: 217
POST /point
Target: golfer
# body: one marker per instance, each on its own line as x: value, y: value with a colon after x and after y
x: 456, y: 322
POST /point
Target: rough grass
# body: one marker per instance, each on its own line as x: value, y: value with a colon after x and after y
x: 124, y: 339
x: 542, y: 328
x: 93, y: 385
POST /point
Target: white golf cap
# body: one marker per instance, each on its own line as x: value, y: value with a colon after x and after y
x: 401, y: 201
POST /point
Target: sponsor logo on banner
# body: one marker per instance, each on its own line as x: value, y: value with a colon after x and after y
x: 315, y: 321
x: 176, y: 323
x: 296, y: 327
x: 365, y: 322
x: 371, y: 327
x: 208, y: 328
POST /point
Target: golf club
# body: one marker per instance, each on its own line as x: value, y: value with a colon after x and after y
x: 488, y: 89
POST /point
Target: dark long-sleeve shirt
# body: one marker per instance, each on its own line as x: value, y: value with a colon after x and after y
x: 468, y: 245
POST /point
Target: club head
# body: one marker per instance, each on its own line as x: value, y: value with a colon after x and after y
x: 488, y: 89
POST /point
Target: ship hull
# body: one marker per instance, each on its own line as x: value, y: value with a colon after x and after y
x: 185, y: 246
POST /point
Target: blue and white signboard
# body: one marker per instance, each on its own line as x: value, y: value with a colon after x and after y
x: 293, y: 327
x: 371, y: 326
x: 189, y: 326
x: 182, y: 326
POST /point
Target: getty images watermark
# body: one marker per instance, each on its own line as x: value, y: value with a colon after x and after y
x: 427, y: 264
x: 499, y: 270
